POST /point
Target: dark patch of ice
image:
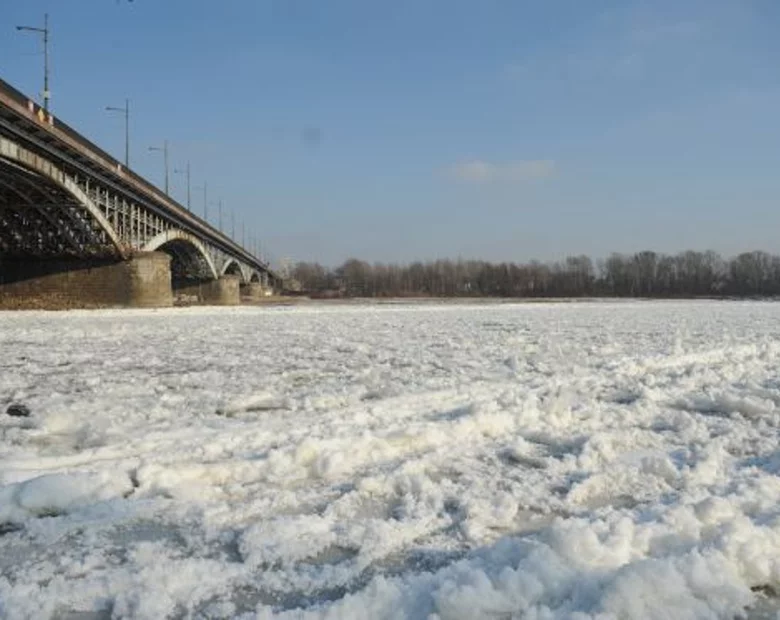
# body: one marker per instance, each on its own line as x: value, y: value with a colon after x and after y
x: 103, y: 614
x: 625, y: 398
x: 9, y: 528
x: 18, y: 410
x: 511, y: 457
x: 766, y: 605
x: 452, y: 414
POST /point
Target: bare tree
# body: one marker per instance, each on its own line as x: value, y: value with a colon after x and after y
x: 646, y: 273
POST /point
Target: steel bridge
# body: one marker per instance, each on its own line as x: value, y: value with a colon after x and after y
x: 61, y: 197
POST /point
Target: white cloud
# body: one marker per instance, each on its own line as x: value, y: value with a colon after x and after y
x: 479, y: 171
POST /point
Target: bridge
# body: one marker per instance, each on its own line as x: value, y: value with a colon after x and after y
x: 76, y: 224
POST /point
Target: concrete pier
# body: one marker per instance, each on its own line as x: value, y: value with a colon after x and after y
x: 254, y: 291
x: 144, y: 281
x: 221, y: 292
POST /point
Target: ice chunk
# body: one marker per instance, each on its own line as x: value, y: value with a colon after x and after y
x: 53, y: 494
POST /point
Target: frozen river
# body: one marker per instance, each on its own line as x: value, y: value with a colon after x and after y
x: 612, y: 460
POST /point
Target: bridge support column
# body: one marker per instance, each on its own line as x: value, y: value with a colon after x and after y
x: 143, y: 281
x: 221, y: 292
x: 254, y: 291
x: 150, y: 280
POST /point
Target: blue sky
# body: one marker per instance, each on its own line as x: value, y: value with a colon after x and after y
x: 417, y: 129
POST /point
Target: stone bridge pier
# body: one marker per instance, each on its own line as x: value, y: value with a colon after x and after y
x: 148, y: 279
x: 221, y: 292
x: 143, y: 281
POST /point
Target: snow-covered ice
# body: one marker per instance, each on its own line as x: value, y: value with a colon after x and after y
x: 427, y: 461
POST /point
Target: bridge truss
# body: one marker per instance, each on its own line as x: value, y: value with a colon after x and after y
x: 62, y: 196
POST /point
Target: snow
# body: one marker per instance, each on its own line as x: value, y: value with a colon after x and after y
x: 429, y: 461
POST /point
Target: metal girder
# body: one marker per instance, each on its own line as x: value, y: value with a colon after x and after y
x: 74, y: 228
x: 180, y: 218
x: 58, y: 205
x: 43, y: 211
x: 17, y: 154
x: 195, y: 251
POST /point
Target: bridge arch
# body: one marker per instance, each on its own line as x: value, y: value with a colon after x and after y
x: 27, y: 160
x: 255, y: 277
x: 233, y: 267
x: 190, y: 261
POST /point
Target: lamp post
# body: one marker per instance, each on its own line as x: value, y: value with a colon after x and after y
x: 164, y: 149
x: 45, y: 32
x: 186, y: 172
x: 126, y: 111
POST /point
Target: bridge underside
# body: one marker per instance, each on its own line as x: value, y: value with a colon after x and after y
x: 39, y: 219
x: 187, y: 264
x: 54, y: 254
x: 65, y: 238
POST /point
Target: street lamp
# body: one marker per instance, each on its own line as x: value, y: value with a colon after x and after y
x: 186, y: 172
x: 164, y: 149
x: 45, y: 32
x: 126, y: 111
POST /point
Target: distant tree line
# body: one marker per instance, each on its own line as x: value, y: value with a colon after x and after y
x: 644, y: 274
